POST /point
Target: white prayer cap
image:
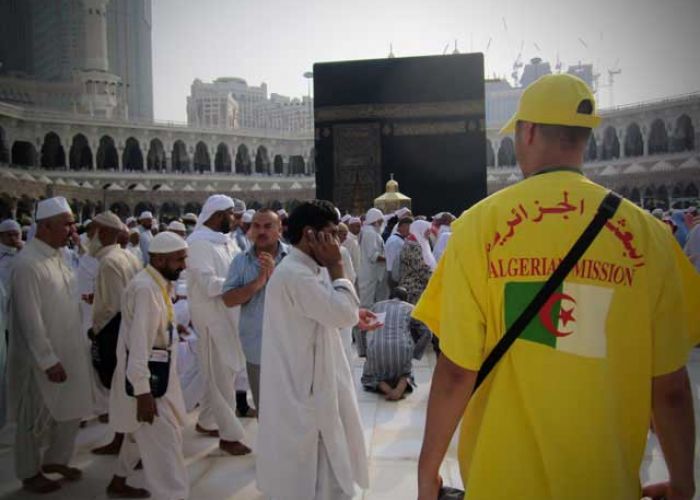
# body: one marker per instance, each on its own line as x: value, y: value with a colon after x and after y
x: 134, y: 230
x: 345, y: 218
x: 52, y: 206
x: 373, y: 215
x: 282, y: 212
x: 215, y: 203
x: 167, y: 242
x: 658, y: 213
x: 189, y: 217
x: 129, y: 220
x: 9, y: 225
x: 238, y: 206
x: 145, y: 215
x: 109, y: 219
x: 354, y: 220
x: 248, y: 216
x: 181, y: 290
x: 337, y: 212
x: 176, y: 225
x: 403, y: 212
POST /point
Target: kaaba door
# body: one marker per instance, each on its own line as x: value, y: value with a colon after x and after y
x: 357, y: 169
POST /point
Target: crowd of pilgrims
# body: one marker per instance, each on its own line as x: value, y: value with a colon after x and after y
x: 88, y: 309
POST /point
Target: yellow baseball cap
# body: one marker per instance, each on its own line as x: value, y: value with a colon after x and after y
x: 554, y: 100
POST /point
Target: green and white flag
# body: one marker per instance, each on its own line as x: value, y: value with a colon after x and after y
x: 572, y: 320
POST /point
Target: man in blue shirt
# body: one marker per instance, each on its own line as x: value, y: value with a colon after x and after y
x: 245, y: 287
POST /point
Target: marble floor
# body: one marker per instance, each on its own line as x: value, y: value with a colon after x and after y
x: 393, y: 434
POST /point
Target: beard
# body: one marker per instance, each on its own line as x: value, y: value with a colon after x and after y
x: 225, y: 226
x: 94, y: 245
x: 171, y: 274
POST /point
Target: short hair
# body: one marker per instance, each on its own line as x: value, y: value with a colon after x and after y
x: 567, y: 136
x: 406, y: 220
x: 399, y: 293
x: 316, y: 214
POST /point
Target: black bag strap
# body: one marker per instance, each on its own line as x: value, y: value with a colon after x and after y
x: 606, y: 210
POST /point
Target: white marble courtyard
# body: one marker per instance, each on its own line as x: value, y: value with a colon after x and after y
x: 393, y: 434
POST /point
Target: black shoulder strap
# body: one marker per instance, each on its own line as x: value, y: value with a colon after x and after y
x: 606, y: 210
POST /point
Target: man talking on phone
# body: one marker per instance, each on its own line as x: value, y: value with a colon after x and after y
x: 310, y: 441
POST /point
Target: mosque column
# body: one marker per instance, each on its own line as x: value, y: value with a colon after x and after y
x: 120, y: 158
x: 212, y: 158
x: 621, y: 140
x: 496, y: 147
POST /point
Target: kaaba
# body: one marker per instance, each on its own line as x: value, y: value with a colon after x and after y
x: 419, y: 118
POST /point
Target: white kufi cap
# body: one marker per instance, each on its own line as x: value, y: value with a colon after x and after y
x: 145, y: 215
x: 109, y: 219
x: 176, y: 225
x: 248, y: 216
x: 167, y: 242
x: 52, y: 206
x: 9, y: 225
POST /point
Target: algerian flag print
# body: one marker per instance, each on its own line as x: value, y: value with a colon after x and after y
x: 572, y: 320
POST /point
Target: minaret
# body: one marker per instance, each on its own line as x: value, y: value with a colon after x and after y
x: 101, y: 90
x: 95, y: 13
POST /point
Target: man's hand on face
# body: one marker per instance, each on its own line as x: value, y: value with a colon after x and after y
x: 325, y: 247
x: 57, y: 374
x: 146, y: 409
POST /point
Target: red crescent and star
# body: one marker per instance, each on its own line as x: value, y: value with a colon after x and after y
x: 565, y: 315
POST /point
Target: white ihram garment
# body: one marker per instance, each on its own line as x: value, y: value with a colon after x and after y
x: 307, y: 393
x: 221, y: 355
x: 143, y: 327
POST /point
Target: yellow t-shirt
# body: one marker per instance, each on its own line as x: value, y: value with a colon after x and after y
x: 566, y: 411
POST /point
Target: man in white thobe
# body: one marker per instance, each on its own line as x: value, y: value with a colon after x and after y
x: 134, y: 245
x: 49, y: 370
x: 211, y: 252
x: 372, y: 275
x: 117, y: 267
x: 351, y: 243
x: 145, y: 234
x: 310, y: 440
x: 153, y: 425
x: 10, y: 244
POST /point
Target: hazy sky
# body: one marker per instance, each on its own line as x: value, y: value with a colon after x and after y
x: 657, y: 42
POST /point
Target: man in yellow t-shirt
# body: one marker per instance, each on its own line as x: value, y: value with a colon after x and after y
x: 565, y: 413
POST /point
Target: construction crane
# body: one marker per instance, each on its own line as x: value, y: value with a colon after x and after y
x: 612, y: 72
x: 517, y: 64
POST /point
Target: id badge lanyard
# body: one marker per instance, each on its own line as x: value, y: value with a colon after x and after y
x: 168, y: 305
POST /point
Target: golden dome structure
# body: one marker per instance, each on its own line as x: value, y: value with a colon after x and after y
x: 392, y: 199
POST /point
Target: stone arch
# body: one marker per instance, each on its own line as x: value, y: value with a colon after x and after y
x: 222, y: 159
x: 143, y: 206
x: 691, y: 191
x: 23, y: 154
x: 278, y: 164
x: 6, y: 206
x: 591, y: 153
x: 80, y: 154
x: 132, y: 159
x: 297, y: 165
x: 193, y: 207
x: 658, y: 137
x: 490, y: 156
x: 611, y: 144
x: 506, y: 153
x: 683, y: 134
x: 634, y: 144
x: 170, y: 210
x: 107, y: 156
x: 202, y: 160
x: 4, y: 152
x: 87, y: 209
x: 121, y: 209
x: 254, y: 205
x: 52, y: 153
x: 262, y: 161
x: 180, y: 159
x: 243, y: 163
x: 275, y: 205
x: 155, y: 160
x: 662, y: 195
